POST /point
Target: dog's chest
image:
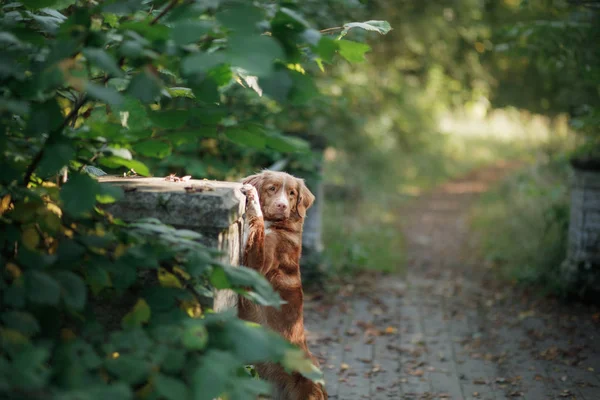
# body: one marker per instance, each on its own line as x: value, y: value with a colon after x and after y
x: 268, y: 230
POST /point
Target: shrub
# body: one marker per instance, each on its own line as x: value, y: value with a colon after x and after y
x: 92, y: 308
x: 523, y: 225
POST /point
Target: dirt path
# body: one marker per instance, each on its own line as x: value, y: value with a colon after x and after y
x: 447, y: 330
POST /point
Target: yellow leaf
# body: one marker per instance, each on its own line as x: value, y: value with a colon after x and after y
x: 52, y: 222
x: 115, y: 355
x: 167, y: 279
x: 344, y: 367
x: 181, y: 273
x: 390, y: 330
x: 139, y: 314
x: 30, y: 238
x: 53, y: 208
x: 192, y: 308
x: 144, y: 391
x: 296, y: 67
x: 296, y: 359
x: 13, y: 337
x: 14, y: 270
x: 67, y: 334
x: 120, y: 250
x: 5, y: 204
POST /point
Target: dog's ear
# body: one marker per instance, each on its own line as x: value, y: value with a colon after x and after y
x: 305, y: 198
x: 255, y: 180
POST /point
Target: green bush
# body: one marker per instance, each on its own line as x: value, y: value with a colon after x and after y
x: 92, y: 308
x: 523, y: 224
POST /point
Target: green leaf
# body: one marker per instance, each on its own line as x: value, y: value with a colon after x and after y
x: 207, y: 91
x: 291, y: 17
x: 353, y: 51
x: 286, y: 143
x: 382, y: 27
x: 137, y: 115
x: 42, y: 288
x: 210, y: 379
x: 139, y: 315
x: 242, y: 278
x: 251, y: 343
x: 113, y: 391
x: 195, y: 337
x: 222, y: 74
x: 170, y: 388
x: 129, y: 368
x: 103, y: 93
x: 79, y: 194
x: 152, y: 32
x: 278, y: 85
x: 21, y: 321
x: 254, y: 54
x: 250, y: 136
x: 243, y: 387
x: 144, y: 87
x: 45, y: 117
x: 186, y: 32
x: 37, y: 4
x: 30, y: 370
x: 241, y: 18
x: 115, y: 162
x: 97, y: 278
x: 74, y: 291
x: 201, y: 62
x: 103, y: 60
x: 303, y: 90
x: 109, y: 194
x: 179, y: 91
x: 14, y: 106
x: 174, y: 361
x: 219, y: 280
x: 55, y: 157
x: 169, y: 119
x: 153, y: 148
x: 326, y: 48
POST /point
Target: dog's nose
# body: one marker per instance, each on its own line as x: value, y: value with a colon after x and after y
x: 281, y: 206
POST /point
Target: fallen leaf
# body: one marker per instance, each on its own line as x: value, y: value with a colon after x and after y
x: 390, y: 330
x: 416, y: 372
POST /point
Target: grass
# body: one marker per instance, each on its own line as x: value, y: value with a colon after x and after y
x: 361, y: 222
x: 523, y: 225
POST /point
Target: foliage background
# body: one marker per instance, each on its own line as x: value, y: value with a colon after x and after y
x: 93, y: 308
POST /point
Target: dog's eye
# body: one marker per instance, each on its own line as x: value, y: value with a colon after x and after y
x: 292, y: 193
x: 272, y: 188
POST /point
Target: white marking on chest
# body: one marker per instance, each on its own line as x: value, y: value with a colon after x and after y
x: 268, y: 227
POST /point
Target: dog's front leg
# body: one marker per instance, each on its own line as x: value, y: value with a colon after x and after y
x: 254, y: 231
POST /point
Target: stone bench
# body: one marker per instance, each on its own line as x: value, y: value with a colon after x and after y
x: 213, y: 209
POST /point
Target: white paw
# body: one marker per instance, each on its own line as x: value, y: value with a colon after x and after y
x: 252, y: 201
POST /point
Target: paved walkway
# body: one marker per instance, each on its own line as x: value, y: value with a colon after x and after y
x: 447, y: 330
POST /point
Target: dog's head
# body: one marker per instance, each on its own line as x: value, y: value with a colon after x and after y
x: 282, y: 196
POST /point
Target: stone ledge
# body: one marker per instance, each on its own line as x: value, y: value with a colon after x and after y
x: 173, y: 205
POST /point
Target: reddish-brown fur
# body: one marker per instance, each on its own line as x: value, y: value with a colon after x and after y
x: 273, y: 248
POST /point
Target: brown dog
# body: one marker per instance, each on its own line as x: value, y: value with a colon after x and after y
x: 276, y: 205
